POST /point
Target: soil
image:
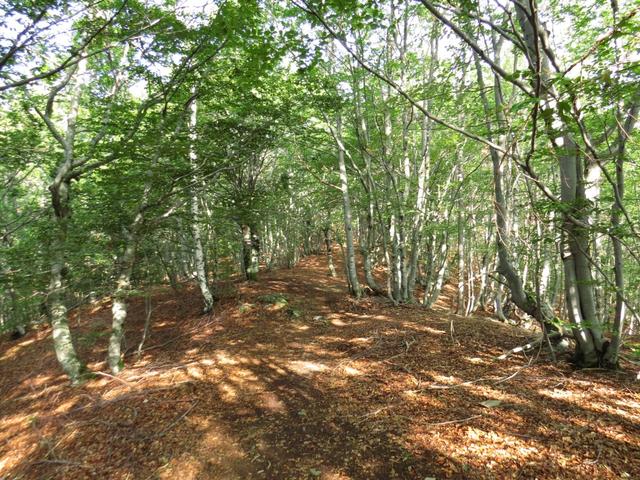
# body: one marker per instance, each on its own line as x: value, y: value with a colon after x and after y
x: 319, y: 386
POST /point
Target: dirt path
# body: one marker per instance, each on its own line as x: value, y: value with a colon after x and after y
x: 317, y: 387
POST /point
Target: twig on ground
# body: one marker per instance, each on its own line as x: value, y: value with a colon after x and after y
x: 163, y: 432
x: 450, y: 422
x: 62, y: 463
x: 595, y: 460
x: 108, y: 375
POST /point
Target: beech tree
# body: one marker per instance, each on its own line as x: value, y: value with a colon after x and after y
x: 486, y: 146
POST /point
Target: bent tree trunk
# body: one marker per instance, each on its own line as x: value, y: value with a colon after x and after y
x: 579, y: 287
x: 538, y: 308
x: 366, y: 246
x: 60, y: 200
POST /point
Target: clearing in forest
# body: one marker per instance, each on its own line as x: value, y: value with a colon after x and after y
x: 288, y: 379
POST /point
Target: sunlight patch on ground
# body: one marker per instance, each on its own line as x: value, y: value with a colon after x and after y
x: 228, y: 392
x: 501, y: 446
x: 475, y: 360
x: 195, y: 372
x: 224, y: 359
x: 560, y: 394
x: 434, y: 331
x: 305, y: 367
x: 352, y: 372
x: 11, y: 352
x: 216, y: 455
x: 271, y: 402
x: 338, y: 323
x: 445, y: 379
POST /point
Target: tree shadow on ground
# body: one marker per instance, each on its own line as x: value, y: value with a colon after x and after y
x: 344, y: 391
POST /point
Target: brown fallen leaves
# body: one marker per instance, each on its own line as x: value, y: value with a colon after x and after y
x: 344, y: 390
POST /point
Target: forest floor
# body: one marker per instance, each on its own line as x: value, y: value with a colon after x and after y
x: 318, y: 387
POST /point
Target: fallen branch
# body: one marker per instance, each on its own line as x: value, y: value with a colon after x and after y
x: 104, y: 374
x: 529, y: 346
x: 522, y: 348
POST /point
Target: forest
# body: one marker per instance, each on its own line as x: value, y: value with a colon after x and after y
x: 300, y: 239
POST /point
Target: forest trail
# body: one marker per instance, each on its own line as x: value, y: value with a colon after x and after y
x: 319, y: 386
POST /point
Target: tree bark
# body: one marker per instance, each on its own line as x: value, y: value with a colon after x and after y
x: 250, y: 252
x: 61, y: 202
x: 329, y: 246
x: 119, y: 306
x: 201, y: 273
x: 354, y: 284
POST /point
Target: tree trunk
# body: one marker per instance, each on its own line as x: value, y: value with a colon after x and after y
x: 579, y: 288
x: 201, y: 273
x: 250, y: 252
x: 354, y: 285
x: 60, y: 199
x: 329, y: 246
x: 119, y: 307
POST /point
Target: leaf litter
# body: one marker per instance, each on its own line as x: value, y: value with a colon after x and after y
x: 343, y: 389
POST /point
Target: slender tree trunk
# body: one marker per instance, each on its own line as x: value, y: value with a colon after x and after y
x: 201, y: 273
x: 535, y: 307
x: 354, y: 284
x: 460, y: 310
x: 329, y: 246
x: 119, y: 306
x: 250, y: 252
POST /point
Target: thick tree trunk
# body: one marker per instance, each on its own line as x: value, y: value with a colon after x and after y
x: 60, y: 199
x: 579, y: 288
x: 62, y: 339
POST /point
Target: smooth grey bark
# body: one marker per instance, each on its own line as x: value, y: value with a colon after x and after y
x: 60, y: 199
x: 538, y: 308
x: 250, y: 252
x: 367, y: 224
x: 119, y: 305
x: 460, y: 306
x: 126, y: 261
x: 579, y: 288
x: 354, y: 284
x: 624, y: 130
x: 423, y: 175
x: 366, y: 242
x: 431, y: 298
x: 328, y: 242
x: 201, y: 273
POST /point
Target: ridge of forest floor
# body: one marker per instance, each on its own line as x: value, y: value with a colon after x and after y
x: 319, y: 386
